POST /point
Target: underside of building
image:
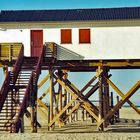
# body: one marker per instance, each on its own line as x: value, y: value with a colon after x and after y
x: 61, y: 42
x: 20, y: 87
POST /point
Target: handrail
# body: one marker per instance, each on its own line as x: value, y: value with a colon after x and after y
x: 18, y: 64
x: 16, y: 124
x: 29, y: 90
x: 38, y: 67
x: 53, y: 47
x: 4, y: 90
x: 6, y: 85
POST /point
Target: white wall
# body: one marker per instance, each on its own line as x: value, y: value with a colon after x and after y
x: 106, y: 42
x: 17, y: 35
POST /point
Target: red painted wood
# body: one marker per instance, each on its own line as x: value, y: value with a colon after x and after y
x: 36, y: 42
x: 84, y: 35
x: 66, y: 36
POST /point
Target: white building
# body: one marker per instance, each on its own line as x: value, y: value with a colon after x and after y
x: 112, y: 33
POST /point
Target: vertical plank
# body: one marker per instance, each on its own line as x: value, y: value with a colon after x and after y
x: 101, y: 113
x: 51, y: 96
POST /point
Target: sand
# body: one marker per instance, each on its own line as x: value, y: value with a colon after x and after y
x: 73, y: 136
x: 128, y: 129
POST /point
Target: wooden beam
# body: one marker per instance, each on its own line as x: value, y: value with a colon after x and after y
x: 43, y: 81
x: 42, y: 104
x: 120, y: 103
x: 46, y: 92
x: 101, y: 99
x: 122, y: 95
x: 51, y: 95
x: 89, y: 107
x: 61, y: 112
x: 91, y: 81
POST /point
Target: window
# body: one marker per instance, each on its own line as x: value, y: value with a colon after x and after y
x: 66, y: 36
x: 84, y: 35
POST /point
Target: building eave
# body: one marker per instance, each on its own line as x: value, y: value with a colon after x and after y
x: 57, y: 24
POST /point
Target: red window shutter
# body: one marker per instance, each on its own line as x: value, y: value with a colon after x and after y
x: 66, y: 37
x: 84, y: 35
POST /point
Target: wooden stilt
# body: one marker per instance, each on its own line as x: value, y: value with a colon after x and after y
x: 101, y: 113
x: 111, y: 106
x: 60, y: 74
x: 118, y: 112
x: 34, y: 104
x: 105, y: 94
x: 51, y: 97
x: 22, y: 125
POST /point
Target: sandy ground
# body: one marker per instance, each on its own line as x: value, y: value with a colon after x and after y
x: 128, y: 129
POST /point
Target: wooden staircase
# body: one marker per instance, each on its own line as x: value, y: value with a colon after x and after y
x: 17, y: 91
x: 50, y: 50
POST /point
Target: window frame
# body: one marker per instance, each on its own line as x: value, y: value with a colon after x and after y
x: 62, y: 33
x: 89, y: 36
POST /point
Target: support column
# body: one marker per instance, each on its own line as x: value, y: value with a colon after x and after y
x: 105, y: 94
x: 60, y: 90
x: 65, y: 76
x: 34, y: 104
x: 5, y: 69
x: 101, y: 113
x: 111, y: 106
x: 22, y: 125
x: 51, y: 97
x: 118, y: 112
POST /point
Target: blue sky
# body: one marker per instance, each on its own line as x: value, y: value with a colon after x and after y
x: 124, y: 78
x: 62, y: 4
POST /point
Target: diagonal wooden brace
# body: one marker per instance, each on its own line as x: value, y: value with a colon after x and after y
x: 87, y: 106
x: 76, y: 95
x: 122, y: 95
x: 120, y: 103
x: 43, y: 81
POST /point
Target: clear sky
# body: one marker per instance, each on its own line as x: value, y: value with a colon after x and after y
x: 125, y: 78
x: 62, y: 4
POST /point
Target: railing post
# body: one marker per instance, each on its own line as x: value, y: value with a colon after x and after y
x: 10, y: 53
x: 101, y: 113
x: 51, y: 96
x: 34, y: 103
x: 111, y: 106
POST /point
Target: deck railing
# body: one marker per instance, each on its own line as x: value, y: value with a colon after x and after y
x: 9, y: 51
x: 50, y: 50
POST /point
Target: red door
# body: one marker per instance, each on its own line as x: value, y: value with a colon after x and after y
x: 36, y: 42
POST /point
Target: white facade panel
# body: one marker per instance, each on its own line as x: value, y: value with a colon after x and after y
x: 106, y: 42
x: 17, y: 35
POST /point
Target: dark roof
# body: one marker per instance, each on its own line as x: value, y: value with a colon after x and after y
x: 70, y: 14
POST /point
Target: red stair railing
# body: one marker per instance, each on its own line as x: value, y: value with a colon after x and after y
x: 28, y: 93
x: 18, y: 64
x: 6, y: 85
x: 4, y: 90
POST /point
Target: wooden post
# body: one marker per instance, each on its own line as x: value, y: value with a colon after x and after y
x: 51, y: 96
x: 22, y: 125
x: 83, y: 117
x: 5, y: 69
x: 111, y: 106
x: 65, y: 76
x: 118, y: 112
x: 34, y: 104
x: 68, y: 99
x: 105, y: 94
x: 60, y: 90
x: 101, y: 113
x: 48, y: 116
x: 65, y: 103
